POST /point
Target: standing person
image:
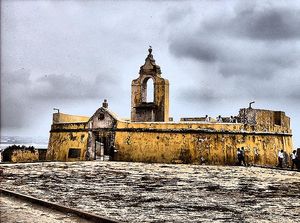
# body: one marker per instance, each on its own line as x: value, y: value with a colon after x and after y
x: 294, y: 159
x: 219, y: 119
x: 239, y: 156
x: 243, y: 156
x: 206, y: 118
x: 111, y: 152
x: 280, y: 158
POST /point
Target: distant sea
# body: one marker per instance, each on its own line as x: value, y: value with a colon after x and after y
x: 36, y: 142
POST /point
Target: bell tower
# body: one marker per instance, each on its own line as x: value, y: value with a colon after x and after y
x: 150, y: 111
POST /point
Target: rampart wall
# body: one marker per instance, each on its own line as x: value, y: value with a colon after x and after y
x: 64, y: 137
x: 198, y: 143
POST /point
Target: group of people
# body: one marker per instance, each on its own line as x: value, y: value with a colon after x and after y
x: 219, y: 119
x: 294, y: 158
x: 231, y: 119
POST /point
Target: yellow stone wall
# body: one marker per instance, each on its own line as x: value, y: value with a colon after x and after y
x: 66, y: 136
x: 24, y: 156
x: 265, y: 120
x: 184, y: 145
x: 66, y: 118
x: 182, y: 142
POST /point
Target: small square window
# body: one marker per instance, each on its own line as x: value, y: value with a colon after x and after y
x: 74, y: 153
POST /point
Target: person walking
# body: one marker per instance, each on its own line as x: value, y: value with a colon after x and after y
x: 294, y: 159
x: 206, y: 118
x: 219, y: 119
x: 280, y: 158
x: 243, y: 156
x: 239, y: 156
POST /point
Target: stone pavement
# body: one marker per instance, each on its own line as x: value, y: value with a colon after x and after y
x: 13, y: 210
x: 138, y: 192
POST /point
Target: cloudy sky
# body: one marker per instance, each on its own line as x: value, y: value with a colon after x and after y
x: 217, y: 55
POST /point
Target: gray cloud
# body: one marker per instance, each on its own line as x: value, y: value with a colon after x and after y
x: 207, y: 93
x: 260, y: 70
x: 73, y: 87
x: 258, y: 23
x: 251, y: 54
x: 270, y: 24
x: 233, y: 45
x: 176, y: 14
x: 14, y: 95
x: 194, y: 48
x: 22, y: 96
x: 211, y: 51
x: 231, y: 58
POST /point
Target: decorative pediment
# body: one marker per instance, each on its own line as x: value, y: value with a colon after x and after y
x: 150, y: 65
x: 102, y: 118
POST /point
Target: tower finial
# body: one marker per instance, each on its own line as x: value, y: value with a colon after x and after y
x: 150, y: 49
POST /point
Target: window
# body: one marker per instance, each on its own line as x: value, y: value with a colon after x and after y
x: 101, y: 116
x: 150, y: 90
x: 74, y: 153
x: 277, y: 118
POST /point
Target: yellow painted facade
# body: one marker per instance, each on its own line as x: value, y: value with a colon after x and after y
x: 66, y: 136
x: 24, y: 156
x: 65, y: 118
x: 190, y: 145
x: 149, y: 137
x: 168, y: 142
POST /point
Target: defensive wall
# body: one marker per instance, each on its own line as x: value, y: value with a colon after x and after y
x: 149, y: 136
x: 66, y: 139
x: 213, y: 143
x: 171, y: 142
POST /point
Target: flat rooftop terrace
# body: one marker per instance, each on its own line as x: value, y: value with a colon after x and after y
x: 138, y: 192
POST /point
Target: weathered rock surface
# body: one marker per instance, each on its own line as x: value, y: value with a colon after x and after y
x: 138, y: 192
x: 13, y: 210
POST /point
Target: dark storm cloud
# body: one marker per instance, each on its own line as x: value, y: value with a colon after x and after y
x: 260, y: 62
x: 72, y: 87
x: 257, y: 23
x: 248, y: 69
x: 206, y: 93
x: 22, y: 96
x: 270, y: 24
x: 243, y: 45
x: 195, y: 49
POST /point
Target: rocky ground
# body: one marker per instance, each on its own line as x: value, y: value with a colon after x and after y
x: 13, y: 210
x: 137, y: 192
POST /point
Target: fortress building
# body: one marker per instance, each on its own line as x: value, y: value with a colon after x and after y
x: 150, y: 136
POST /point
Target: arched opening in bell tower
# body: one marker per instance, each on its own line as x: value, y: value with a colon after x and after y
x: 148, y: 90
x: 150, y: 94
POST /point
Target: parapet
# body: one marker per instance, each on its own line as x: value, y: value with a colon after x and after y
x: 259, y: 120
x: 265, y: 120
x: 65, y: 118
